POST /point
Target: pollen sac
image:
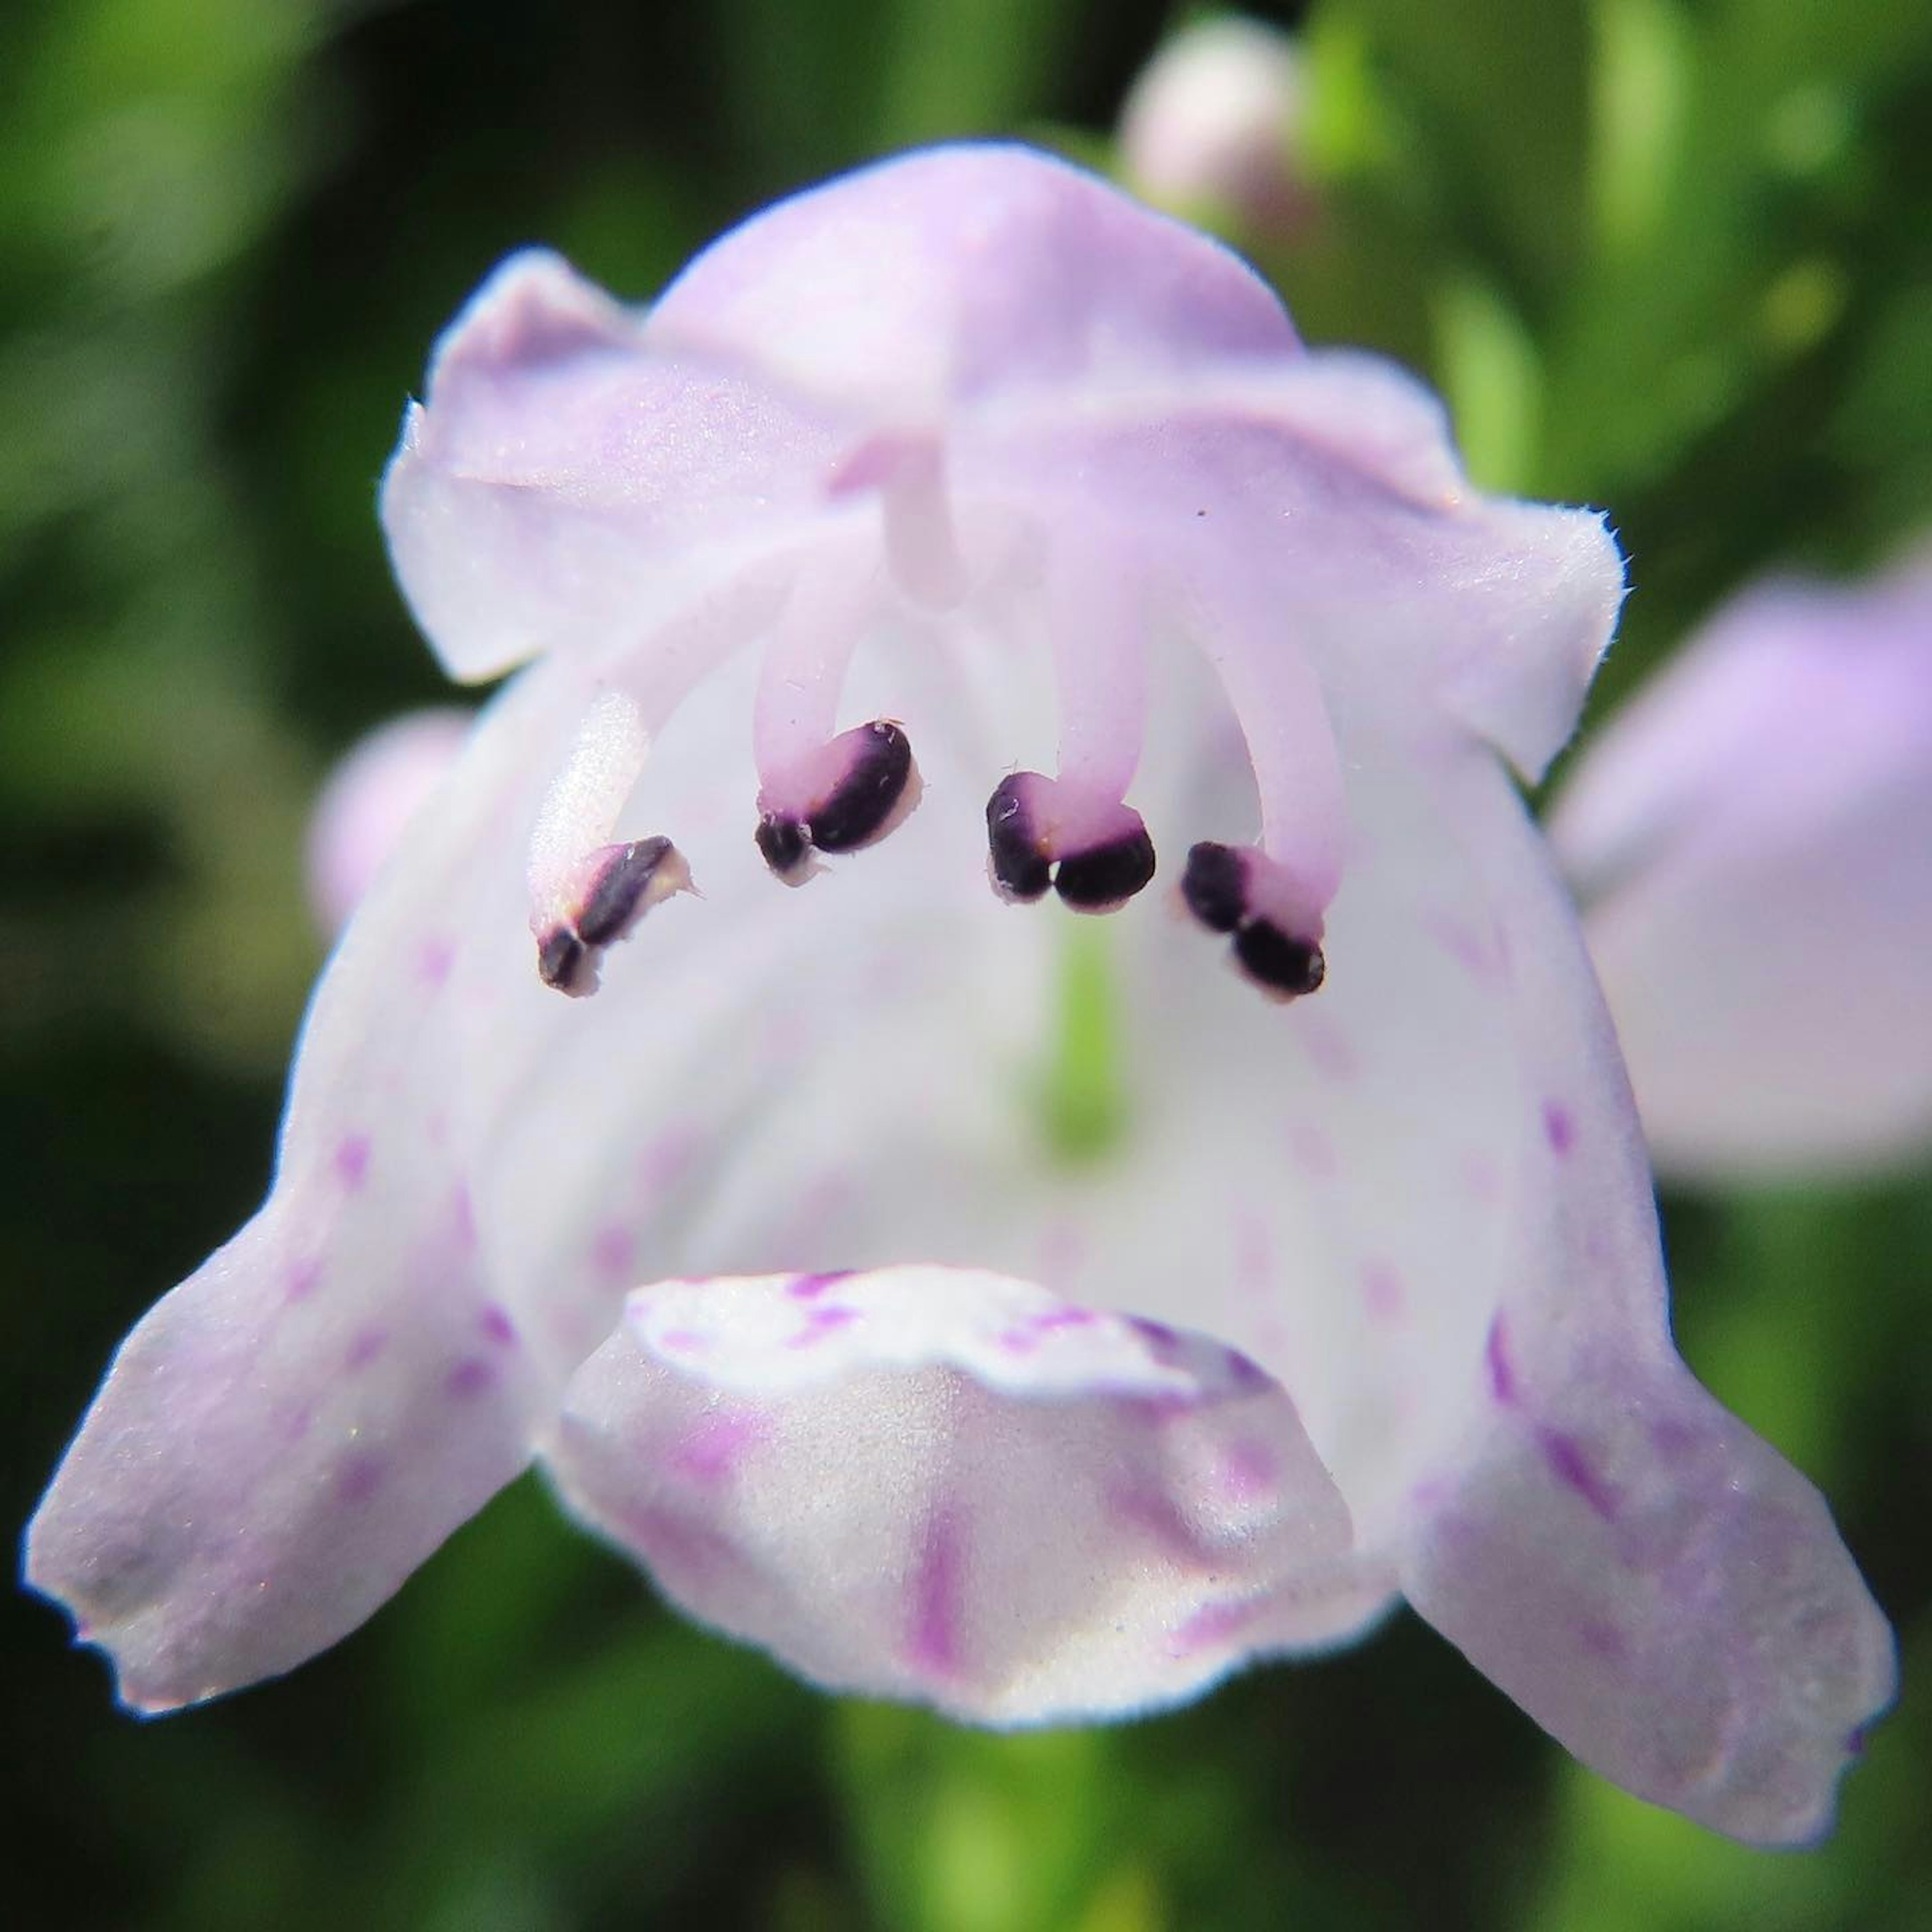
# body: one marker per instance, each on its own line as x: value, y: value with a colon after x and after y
x: 616, y: 886
x: 1095, y: 856
x: 1226, y: 888
x: 872, y: 786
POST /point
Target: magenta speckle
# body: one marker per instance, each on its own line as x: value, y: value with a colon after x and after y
x: 823, y: 1321
x: 1602, y: 1641
x: 462, y: 1222
x: 434, y: 959
x: 1017, y: 1341
x: 1501, y: 1369
x: 1461, y: 942
x: 1211, y: 1626
x: 359, y: 1479
x: 1330, y: 1051
x: 712, y: 1449
x: 468, y: 1379
x: 1559, y: 1126
x: 1062, y: 1317
x: 1382, y: 1293
x: 302, y: 1280
x: 496, y: 1324
x: 1247, y: 1471
x: 1313, y: 1151
x: 932, y: 1638
x: 1152, y: 1513
x: 809, y: 1287
x: 1244, y: 1374
x: 1162, y: 1342
x: 1676, y: 1442
x: 365, y: 1348
x: 352, y: 1160
x: 684, y: 1341
x: 1573, y: 1468
x: 612, y: 1250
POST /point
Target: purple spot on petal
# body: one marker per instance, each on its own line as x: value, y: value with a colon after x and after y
x: 932, y: 1637
x: 358, y: 1478
x: 808, y: 1287
x: 1248, y: 1471
x: 1559, y: 1126
x: 711, y: 1451
x: 1211, y: 1626
x: 1602, y: 1640
x: 1460, y: 941
x: 352, y: 1160
x: 303, y: 1278
x: 1572, y: 1467
x: 1152, y: 1514
x: 496, y: 1323
x: 1245, y: 1374
x: 434, y: 957
x: 1676, y: 1442
x: 365, y: 1348
x: 612, y: 1250
x: 823, y: 1321
x: 1330, y: 1051
x: 462, y: 1222
x: 1160, y: 1338
x: 1382, y: 1293
x: 1017, y: 1341
x: 1062, y: 1317
x: 1313, y: 1151
x: 684, y: 1341
x: 468, y: 1379
x: 1496, y: 1360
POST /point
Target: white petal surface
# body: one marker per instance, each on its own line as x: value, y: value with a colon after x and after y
x: 1753, y: 836
x: 954, y: 1486
x: 1655, y: 1586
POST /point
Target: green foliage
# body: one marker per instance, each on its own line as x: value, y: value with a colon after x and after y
x: 1673, y: 256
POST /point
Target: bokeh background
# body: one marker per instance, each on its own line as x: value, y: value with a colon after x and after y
x: 1673, y: 257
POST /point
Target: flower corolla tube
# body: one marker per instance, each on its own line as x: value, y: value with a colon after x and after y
x: 972, y: 1275
x: 1752, y: 839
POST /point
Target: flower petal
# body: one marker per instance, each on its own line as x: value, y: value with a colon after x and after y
x: 283, y: 1439
x: 940, y: 277
x: 1751, y: 836
x: 953, y: 1485
x: 1652, y: 1583
x: 1329, y: 485
x: 563, y: 487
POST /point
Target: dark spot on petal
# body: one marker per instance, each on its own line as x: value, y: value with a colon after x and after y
x: 1573, y: 1469
x: 559, y: 959
x: 469, y: 1378
x: 1214, y: 886
x: 1108, y: 875
x: 863, y: 799
x: 782, y: 842
x: 1020, y: 869
x: 1559, y: 1126
x: 1273, y: 960
x: 1501, y: 1370
x: 614, y: 899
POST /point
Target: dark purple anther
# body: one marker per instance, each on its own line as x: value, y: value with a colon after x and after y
x: 559, y: 959
x: 1277, y: 963
x: 1107, y: 876
x: 613, y: 902
x: 1214, y: 886
x: 863, y: 801
x: 783, y: 843
x: 1021, y: 870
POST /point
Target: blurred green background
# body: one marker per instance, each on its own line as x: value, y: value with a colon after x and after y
x: 1673, y: 257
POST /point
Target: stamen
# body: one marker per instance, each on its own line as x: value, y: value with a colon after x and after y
x: 618, y: 885
x: 864, y: 785
x: 586, y: 894
x: 1238, y: 890
x: 1096, y: 854
x: 908, y: 471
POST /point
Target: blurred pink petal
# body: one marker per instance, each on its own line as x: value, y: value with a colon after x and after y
x: 377, y: 788
x: 965, y: 484
x: 1752, y: 835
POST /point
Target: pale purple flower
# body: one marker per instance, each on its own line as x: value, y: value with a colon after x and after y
x: 377, y: 788
x: 1214, y: 125
x: 1752, y: 836
x: 765, y: 1251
